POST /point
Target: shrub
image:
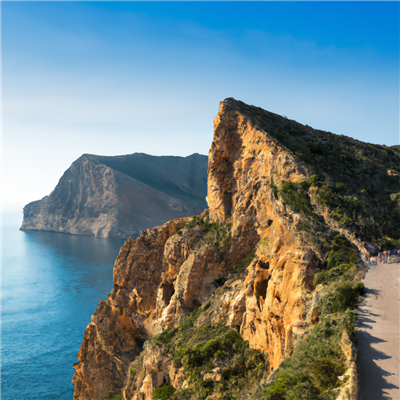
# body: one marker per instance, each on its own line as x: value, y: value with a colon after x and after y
x: 321, y: 277
x: 324, y: 373
x: 244, y: 263
x: 198, y: 350
x: 213, y: 233
x: 395, y: 197
x: 315, y: 180
x: 340, y: 186
x: 219, y: 281
x: 304, y: 226
x: 340, y: 297
x: 163, y: 392
x: 164, y: 337
x: 312, y: 371
x: 342, y: 252
x: 327, y: 197
x: 294, y: 197
x: 135, y: 367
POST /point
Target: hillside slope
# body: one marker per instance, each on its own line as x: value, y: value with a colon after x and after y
x: 268, y: 276
x: 121, y: 196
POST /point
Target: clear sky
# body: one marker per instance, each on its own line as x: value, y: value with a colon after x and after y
x: 122, y: 77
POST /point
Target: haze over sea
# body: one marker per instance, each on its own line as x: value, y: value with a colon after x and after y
x: 51, y: 285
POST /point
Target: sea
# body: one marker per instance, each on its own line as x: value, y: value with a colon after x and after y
x: 51, y: 284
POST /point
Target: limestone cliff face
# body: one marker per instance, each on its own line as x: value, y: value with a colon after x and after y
x: 249, y: 234
x: 120, y: 196
x: 121, y: 324
x: 244, y: 165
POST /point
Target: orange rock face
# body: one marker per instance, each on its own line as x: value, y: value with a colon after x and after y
x: 170, y: 270
x: 245, y: 163
x: 120, y: 325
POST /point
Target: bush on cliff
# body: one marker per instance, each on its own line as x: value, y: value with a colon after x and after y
x: 363, y: 213
x: 342, y: 252
x: 164, y: 392
x: 244, y: 263
x: 340, y: 297
x: 313, y: 370
x: 213, y: 233
x: 199, y: 350
x: 342, y: 263
x: 295, y: 196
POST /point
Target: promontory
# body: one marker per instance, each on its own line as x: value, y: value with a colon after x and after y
x: 255, y: 297
x: 121, y: 196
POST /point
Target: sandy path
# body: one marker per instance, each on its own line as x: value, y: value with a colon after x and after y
x: 378, y: 334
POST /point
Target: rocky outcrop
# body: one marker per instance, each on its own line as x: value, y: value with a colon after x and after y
x: 120, y: 196
x: 155, y: 369
x: 122, y: 323
x: 244, y: 165
x: 250, y: 236
x: 349, y: 390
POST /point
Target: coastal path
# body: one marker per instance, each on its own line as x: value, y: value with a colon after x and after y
x: 377, y: 330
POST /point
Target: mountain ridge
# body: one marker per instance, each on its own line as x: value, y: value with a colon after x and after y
x: 93, y: 198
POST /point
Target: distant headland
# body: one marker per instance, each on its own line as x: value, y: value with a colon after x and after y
x: 121, y: 196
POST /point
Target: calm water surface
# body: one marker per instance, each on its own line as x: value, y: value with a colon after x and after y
x: 51, y: 285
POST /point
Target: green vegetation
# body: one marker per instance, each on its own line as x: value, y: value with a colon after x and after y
x: 201, y: 349
x: 304, y: 226
x: 351, y: 211
x: 396, y: 147
x: 342, y: 252
x: 295, y: 195
x: 135, y: 367
x: 360, y: 188
x: 341, y: 297
x: 360, y: 213
x: 264, y: 243
x: 244, y: 263
x: 395, y: 197
x: 342, y: 263
x: 219, y: 281
x: 164, y: 392
x: 313, y: 370
x: 212, y: 232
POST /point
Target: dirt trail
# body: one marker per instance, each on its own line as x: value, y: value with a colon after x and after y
x: 378, y: 334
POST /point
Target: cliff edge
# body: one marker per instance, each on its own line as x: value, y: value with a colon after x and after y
x: 120, y: 196
x: 254, y: 297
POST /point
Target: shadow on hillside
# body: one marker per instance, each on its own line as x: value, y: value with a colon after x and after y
x: 372, y: 382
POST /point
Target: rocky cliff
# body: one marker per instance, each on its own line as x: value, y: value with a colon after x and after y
x: 120, y: 196
x: 210, y: 306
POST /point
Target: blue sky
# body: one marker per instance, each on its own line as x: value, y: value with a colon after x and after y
x: 122, y: 77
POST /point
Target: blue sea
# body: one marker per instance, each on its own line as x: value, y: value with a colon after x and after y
x: 51, y: 284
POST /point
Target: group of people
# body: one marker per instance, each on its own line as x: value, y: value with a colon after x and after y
x: 386, y: 257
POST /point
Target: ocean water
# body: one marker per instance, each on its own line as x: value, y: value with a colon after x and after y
x: 51, y: 285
